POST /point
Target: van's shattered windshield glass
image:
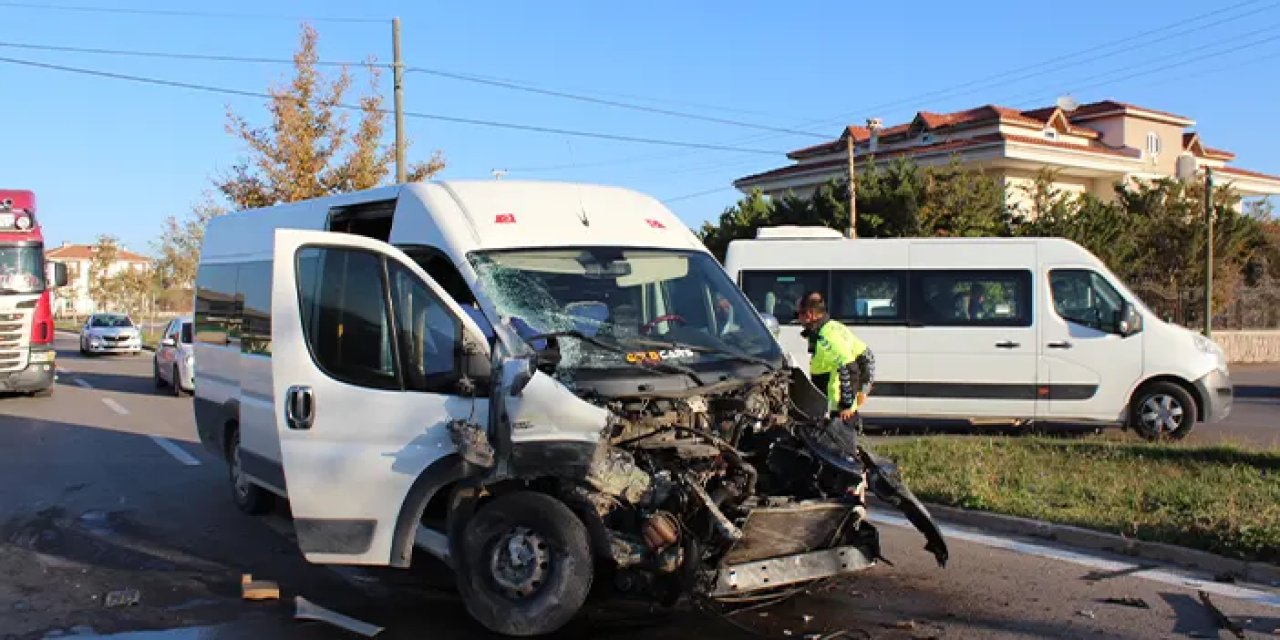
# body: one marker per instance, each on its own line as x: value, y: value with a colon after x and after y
x: 635, y: 298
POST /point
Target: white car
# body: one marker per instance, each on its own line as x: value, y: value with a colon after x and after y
x: 173, y: 365
x: 110, y: 333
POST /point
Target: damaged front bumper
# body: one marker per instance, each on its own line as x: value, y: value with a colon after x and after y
x: 747, y: 577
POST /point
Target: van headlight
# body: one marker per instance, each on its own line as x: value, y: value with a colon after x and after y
x: 1210, y: 347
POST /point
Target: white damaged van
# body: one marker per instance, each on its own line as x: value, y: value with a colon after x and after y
x: 547, y: 386
x: 991, y: 329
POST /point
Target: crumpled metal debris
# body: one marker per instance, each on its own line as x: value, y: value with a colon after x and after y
x: 307, y: 610
x: 472, y: 443
x: 1137, y: 603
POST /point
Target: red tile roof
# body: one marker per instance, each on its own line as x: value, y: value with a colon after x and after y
x: 1246, y: 173
x: 1106, y: 106
x: 85, y: 252
x: 947, y: 146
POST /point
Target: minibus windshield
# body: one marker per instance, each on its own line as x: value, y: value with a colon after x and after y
x: 640, y: 299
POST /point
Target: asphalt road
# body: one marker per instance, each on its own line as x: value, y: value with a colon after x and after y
x: 105, y: 488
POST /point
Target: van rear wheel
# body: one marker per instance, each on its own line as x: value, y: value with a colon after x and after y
x: 526, y: 564
x: 1163, y: 411
x: 249, y: 497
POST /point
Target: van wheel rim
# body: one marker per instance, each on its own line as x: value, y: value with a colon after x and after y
x: 519, y: 562
x: 1162, y: 413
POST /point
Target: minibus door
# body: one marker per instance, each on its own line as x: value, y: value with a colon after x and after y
x: 369, y: 363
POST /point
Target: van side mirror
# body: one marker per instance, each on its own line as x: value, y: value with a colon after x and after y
x: 473, y: 362
x: 1129, y: 321
x: 168, y: 342
x: 771, y: 323
x: 56, y: 274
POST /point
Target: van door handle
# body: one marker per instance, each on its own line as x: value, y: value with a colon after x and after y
x: 1007, y: 344
x: 299, y: 407
x: 1060, y: 345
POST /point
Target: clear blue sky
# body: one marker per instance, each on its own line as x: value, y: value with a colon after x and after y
x: 107, y: 156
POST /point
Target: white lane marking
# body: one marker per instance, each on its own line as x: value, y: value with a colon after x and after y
x: 176, y: 451
x: 62, y: 371
x: 115, y: 406
x: 83, y: 383
x: 1165, y: 574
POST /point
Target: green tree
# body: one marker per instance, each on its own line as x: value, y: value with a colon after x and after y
x: 179, y: 245
x: 308, y: 150
x: 104, y: 289
x: 959, y: 201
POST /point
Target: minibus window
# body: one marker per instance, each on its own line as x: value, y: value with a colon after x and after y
x: 1085, y: 298
x: 777, y: 292
x: 344, y: 315
x: 868, y: 297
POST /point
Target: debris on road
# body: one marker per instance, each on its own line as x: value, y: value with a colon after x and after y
x: 1221, y: 618
x: 122, y: 598
x: 1136, y: 603
x: 901, y: 625
x: 1085, y: 613
x: 251, y: 589
x: 307, y: 610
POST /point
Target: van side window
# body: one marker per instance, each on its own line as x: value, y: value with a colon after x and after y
x: 345, y: 316
x: 992, y: 298
x: 215, y: 305
x: 869, y: 297
x: 777, y: 292
x: 428, y: 334
x: 1085, y: 298
x: 254, y: 287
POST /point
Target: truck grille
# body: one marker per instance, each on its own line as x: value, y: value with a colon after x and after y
x: 13, y: 341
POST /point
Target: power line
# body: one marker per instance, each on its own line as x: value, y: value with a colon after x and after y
x: 949, y: 92
x: 690, y: 196
x: 515, y: 86
x: 409, y: 114
x: 434, y: 72
x: 173, y: 13
x: 181, y: 56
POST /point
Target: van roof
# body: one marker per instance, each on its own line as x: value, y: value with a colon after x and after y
x: 477, y: 214
x: 511, y: 214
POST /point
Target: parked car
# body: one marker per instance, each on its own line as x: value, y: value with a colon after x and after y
x: 991, y: 330
x: 173, y: 365
x: 110, y: 333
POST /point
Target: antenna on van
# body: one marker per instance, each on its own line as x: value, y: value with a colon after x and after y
x: 498, y: 174
x: 582, y: 208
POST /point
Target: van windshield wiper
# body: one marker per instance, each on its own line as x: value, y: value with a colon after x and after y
x: 697, y: 348
x: 647, y: 365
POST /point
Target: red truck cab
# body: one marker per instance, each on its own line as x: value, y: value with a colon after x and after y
x: 26, y: 314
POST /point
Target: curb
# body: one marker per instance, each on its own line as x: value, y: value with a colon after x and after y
x: 1260, y: 573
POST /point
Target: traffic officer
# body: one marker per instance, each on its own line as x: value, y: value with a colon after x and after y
x: 841, y: 364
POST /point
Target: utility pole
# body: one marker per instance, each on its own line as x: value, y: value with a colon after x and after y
x: 853, y: 188
x: 397, y: 73
x: 1208, y: 252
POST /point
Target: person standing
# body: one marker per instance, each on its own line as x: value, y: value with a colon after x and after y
x: 842, y: 365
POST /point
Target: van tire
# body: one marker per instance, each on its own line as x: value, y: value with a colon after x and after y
x: 1163, y: 411
x: 155, y: 373
x: 559, y: 543
x: 177, y: 386
x: 248, y: 497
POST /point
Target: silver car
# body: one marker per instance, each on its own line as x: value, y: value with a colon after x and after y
x: 174, y: 361
x: 110, y: 333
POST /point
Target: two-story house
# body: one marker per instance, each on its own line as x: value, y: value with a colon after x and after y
x: 75, y: 298
x: 1090, y: 148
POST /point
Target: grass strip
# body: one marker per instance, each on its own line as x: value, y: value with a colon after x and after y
x: 1221, y: 499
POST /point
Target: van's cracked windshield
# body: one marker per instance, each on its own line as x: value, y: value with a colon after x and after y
x: 673, y: 306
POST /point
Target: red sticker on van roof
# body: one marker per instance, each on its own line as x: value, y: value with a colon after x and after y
x: 655, y: 223
x: 504, y: 218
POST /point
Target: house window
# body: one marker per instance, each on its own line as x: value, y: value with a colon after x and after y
x: 1153, y: 144
x: 1050, y: 134
x: 926, y: 138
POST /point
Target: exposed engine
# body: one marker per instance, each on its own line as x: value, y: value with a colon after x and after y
x: 690, y: 490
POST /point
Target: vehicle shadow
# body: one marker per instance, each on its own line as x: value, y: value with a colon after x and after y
x: 1257, y: 391
x: 118, y: 383
x: 888, y: 427
x: 1193, y: 619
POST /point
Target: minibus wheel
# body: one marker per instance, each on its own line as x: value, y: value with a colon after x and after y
x: 1163, y: 411
x: 249, y: 497
x: 526, y: 565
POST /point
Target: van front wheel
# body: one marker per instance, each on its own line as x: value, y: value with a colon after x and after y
x: 1163, y: 411
x: 526, y: 564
